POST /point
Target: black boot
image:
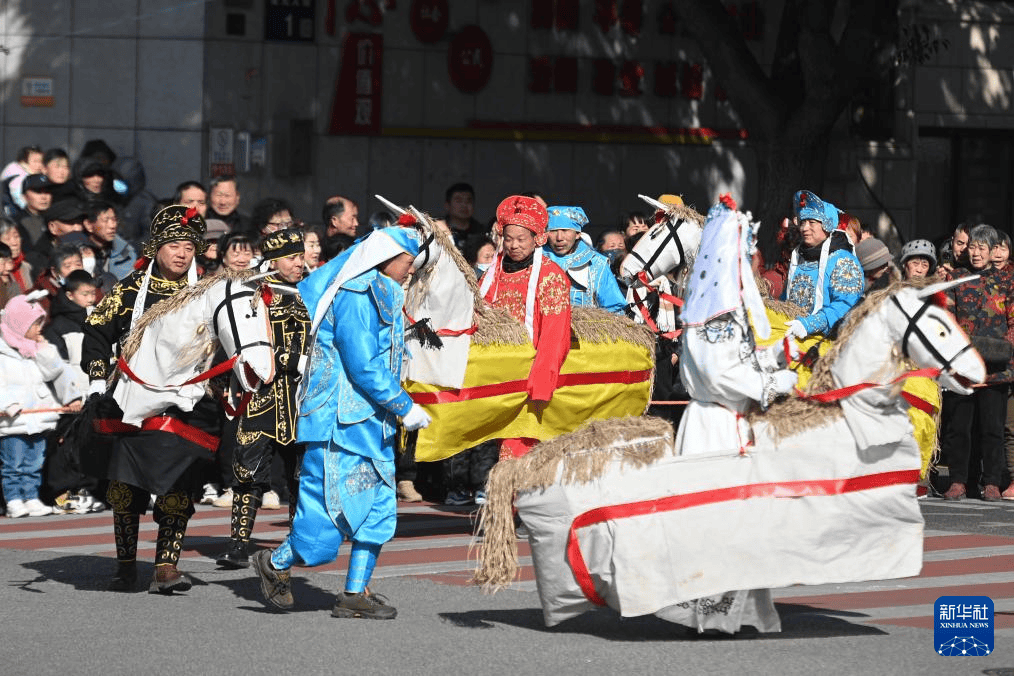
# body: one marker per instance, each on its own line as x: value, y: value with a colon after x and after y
x: 125, y: 578
x: 236, y: 556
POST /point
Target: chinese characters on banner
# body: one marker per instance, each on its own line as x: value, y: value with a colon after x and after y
x: 358, y: 95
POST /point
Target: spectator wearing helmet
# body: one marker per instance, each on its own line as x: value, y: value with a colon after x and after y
x: 918, y: 259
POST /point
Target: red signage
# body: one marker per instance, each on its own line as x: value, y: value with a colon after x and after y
x: 429, y: 19
x: 358, y: 94
x: 470, y: 59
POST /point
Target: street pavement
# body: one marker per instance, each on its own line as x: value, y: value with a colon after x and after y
x: 58, y: 618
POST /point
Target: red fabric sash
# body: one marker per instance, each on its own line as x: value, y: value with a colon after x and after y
x: 648, y: 321
x: 159, y: 423
x: 782, y: 489
x: 453, y: 333
x: 121, y: 363
x: 515, y: 386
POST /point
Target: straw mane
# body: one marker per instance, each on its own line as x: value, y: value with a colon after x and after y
x: 690, y: 255
x: 444, y: 241
x: 173, y: 304
x: 794, y: 415
x: 578, y: 457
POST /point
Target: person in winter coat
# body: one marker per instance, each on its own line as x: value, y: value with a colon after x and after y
x: 68, y: 311
x: 36, y: 383
x: 138, y: 202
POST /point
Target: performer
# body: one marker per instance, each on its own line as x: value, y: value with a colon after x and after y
x: 591, y: 280
x: 726, y: 374
x: 350, y: 401
x: 139, y: 467
x: 269, y: 423
x: 534, y: 290
x: 825, y: 277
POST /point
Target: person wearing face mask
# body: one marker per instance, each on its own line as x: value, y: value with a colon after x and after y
x: 825, y: 277
x: 145, y: 463
x: 65, y: 259
x: 591, y: 281
x: 479, y: 252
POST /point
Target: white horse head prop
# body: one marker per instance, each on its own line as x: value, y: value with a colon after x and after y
x: 168, y: 353
x: 668, y: 245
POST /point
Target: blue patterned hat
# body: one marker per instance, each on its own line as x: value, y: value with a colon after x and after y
x: 567, y: 218
x: 810, y: 207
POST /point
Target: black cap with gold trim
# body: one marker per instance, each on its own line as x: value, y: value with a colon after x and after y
x: 282, y: 244
x: 173, y: 224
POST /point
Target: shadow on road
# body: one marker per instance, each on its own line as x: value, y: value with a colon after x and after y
x: 798, y: 621
x: 88, y: 573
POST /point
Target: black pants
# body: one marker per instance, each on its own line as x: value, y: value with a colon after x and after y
x: 469, y: 469
x: 984, y: 411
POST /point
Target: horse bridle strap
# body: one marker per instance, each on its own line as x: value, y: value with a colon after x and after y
x: 661, y: 247
x: 444, y: 332
x: 121, y: 363
x: 913, y: 328
x: 425, y: 249
x: 227, y: 304
x: 648, y: 321
x: 843, y: 392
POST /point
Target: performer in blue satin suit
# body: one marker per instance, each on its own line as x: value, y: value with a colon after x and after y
x: 349, y: 409
x: 591, y: 280
x: 825, y: 277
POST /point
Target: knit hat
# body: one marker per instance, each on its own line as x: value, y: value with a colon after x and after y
x: 810, y: 207
x: 15, y: 320
x: 173, y: 224
x: 567, y: 218
x: 282, y: 244
x: 872, y: 254
x: 526, y: 212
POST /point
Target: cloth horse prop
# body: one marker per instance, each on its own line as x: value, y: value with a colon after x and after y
x: 473, y: 384
x: 667, y: 249
x: 824, y: 493
x: 159, y: 389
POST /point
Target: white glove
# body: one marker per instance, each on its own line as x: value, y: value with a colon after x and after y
x: 416, y: 418
x: 796, y: 330
x: 785, y: 381
x: 96, y: 387
x: 12, y: 410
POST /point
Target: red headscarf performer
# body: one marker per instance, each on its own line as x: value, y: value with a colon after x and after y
x: 535, y: 291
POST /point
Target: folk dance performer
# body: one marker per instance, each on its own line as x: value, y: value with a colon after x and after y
x: 534, y: 290
x: 349, y: 405
x: 726, y: 374
x: 268, y: 425
x: 139, y: 468
x: 825, y: 277
x: 591, y: 281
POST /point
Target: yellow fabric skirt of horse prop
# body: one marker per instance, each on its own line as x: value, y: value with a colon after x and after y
x: 607, y: 374
x: 922, y: 393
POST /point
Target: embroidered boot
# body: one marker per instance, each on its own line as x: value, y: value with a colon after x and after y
x: 171, y: 530
x: 125, y: 528
x: 244, y: 512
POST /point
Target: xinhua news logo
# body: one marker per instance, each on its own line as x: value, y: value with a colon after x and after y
x: 963, y: 626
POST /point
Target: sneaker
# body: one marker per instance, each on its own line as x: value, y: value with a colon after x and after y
x: 16, y: 509
x: 458, y: 498
x: 223, y: 500
x: 276, y: 585
x: 236, y: 556
x: 365, y: 605
x: 270, y: 501
x: 168, y: 579
x: 408, y: 493
x: 521, y: 531
x: 955, y: 492
x: 480, y: 497
x: 1009, y: 493
x: 210, y: 494
x: 991, y: 493
x: 36, y: 508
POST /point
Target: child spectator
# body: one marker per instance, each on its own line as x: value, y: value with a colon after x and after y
x: 6, y: 265
x: 35, y: 382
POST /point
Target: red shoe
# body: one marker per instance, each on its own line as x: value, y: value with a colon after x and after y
x: 1009, y: 493
x: 955, y: 492
x: 991, y: 493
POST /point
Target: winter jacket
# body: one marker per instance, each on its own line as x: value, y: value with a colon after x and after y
x: 45, y: 381
x: 984, y: 308
x: 65, y: 332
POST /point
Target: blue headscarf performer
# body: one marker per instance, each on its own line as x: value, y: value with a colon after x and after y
x: 825, y: 277
x: 591, y: 280
x: 349, y: 408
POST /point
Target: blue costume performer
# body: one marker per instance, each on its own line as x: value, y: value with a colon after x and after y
x: 591, y: 280
x: 349, y: 407
x: 825, y: 277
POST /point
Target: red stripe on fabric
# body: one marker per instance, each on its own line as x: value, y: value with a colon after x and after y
x: 200, y: 377
x: 515, y: 386
x: 781, y: 489
x: 843, y: 392
x: 159, y: 424
x: 920, y: 403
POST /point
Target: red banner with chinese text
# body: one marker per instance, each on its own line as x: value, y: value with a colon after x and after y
x: 358, y: 92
